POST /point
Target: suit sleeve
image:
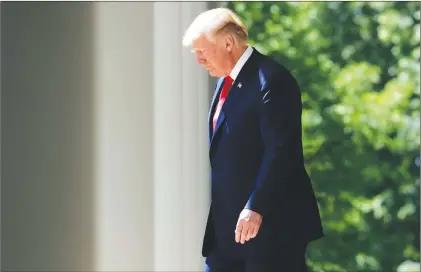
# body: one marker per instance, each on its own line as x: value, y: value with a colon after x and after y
x: 280, y: 125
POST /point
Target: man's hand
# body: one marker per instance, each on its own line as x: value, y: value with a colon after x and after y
x: 247, y: 226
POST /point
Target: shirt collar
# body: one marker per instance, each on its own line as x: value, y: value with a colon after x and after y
x: 240, y: 63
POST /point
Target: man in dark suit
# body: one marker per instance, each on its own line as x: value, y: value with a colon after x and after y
x: 263, y: 211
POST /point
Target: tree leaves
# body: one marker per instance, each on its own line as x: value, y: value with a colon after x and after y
x: 358, y: 66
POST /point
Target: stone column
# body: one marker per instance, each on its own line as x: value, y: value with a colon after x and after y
x: 151, y: 139
x: 104, y: 138
x: 47, y: 156
x: 124, y: 121
x: 181, y: 101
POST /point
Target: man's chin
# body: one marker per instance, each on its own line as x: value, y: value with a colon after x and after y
x: 212, y: 73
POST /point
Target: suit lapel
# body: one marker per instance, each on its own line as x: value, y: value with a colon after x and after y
x: 221, y: 119
x: 238, y: 85
x: 212, y: 108
x: 233, y: 93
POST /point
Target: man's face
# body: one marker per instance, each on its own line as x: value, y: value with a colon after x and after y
x: 212, y: 55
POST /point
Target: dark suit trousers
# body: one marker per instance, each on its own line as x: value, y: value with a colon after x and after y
x: 291, y: 260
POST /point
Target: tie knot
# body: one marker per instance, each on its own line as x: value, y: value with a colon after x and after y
x: 228, y: 79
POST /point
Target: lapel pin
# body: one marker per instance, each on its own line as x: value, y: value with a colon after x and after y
x: 239, y: 85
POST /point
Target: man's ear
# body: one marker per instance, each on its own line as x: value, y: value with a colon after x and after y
x: 229, y: 43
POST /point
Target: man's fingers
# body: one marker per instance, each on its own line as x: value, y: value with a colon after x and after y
x: 247, y: 227
x: 237, y: 236
x: 250, y: 233
x: 238, y: 231
x: 244, y: 232
x: 255, y: 231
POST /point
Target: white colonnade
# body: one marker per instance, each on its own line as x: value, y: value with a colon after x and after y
x: 104, y: 141
x: 152, y: 109
x: 181, y: 145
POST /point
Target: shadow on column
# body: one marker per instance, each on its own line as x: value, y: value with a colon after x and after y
x: 47, y: 136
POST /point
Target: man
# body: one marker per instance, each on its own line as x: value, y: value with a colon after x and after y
x: 263, y: 211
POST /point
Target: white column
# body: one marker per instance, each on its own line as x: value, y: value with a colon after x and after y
x: 196, y: 151
x: 152, y: 187
x: 105, y: 138
x: 181, y: 193
x: 46, y: 139
x: 124, y: 135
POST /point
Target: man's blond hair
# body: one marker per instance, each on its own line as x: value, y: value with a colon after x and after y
x: 214, y: 22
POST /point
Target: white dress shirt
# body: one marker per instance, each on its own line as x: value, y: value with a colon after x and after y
x: 240, y: 63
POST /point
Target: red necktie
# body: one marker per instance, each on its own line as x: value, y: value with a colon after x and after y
x: 224, y: 93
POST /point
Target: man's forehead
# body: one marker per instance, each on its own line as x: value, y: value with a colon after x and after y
x: 201, y: 43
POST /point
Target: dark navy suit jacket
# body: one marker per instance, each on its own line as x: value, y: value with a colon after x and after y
x: 257, y: 162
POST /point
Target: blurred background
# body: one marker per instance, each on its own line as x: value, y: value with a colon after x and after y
x: 358, y: 65
x: 104, y: 159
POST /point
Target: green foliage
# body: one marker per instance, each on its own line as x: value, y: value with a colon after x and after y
x: 358, y: 65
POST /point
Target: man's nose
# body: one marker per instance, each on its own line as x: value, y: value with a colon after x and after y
x: 199, y: 58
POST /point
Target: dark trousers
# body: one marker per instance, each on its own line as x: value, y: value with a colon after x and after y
x: 291, y: 260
